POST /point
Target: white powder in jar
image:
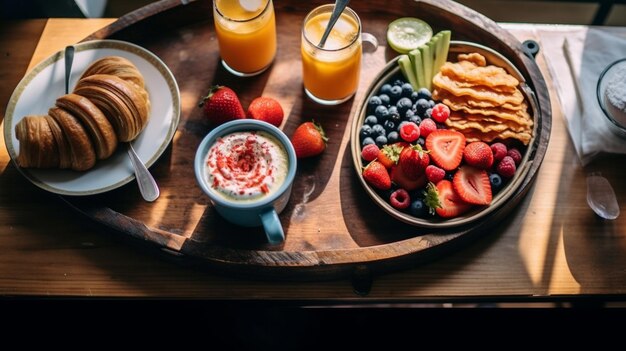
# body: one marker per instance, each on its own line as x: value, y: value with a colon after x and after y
x: 615, y: 95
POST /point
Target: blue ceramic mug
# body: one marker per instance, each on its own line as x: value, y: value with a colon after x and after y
x: 224, y: 172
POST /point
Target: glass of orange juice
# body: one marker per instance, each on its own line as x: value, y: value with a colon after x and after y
x: 246, y: 33
x: 331, y: 73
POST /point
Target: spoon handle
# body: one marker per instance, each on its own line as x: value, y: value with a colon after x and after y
x: 147, y: 185
x: 69, y: 59
x: 340, y: 5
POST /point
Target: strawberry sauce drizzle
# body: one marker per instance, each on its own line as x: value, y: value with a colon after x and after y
x: 243, y: 165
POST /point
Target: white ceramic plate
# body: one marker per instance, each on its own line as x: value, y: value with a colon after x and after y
x: 40, y: 88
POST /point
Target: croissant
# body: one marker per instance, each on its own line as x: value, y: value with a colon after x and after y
x: 97, y: 125
x: 109, y: 104
x: 116, y: 66
x: 38, y: 148
x: 81, y: 151
x: 121, y: 102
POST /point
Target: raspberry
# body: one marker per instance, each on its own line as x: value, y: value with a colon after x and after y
x: 440, y: 113
x: 434, y: 174
x: 506, y: 168
x: 427, y: 126
x: 370, y: 152
x: 409, y: 131
x: 400, y: 199
x: 515, y: 155
x: 499, y: 151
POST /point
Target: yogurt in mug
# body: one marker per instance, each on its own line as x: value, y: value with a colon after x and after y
x: 246, y: 166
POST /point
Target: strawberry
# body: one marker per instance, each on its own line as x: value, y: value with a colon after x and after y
x: 478, y: 154
x: 376, y: 175
x: 434, y: 174
x: 222, y: 105
x: 309, y: 140
x: 472, y: 185
x: 431, y: 198
x: 413, y: 161
x: 451, y: 204
x: 446, y: 148
x: 266, y: 109
x: 400, y: 178
x: 389, y: 155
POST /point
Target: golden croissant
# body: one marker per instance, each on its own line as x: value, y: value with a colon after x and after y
x: 109, y: 105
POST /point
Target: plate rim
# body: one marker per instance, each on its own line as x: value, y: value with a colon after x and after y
x: 96, y: 44
x: 392, y: 68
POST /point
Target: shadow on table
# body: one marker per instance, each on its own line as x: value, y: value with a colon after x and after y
x: 595, y: 249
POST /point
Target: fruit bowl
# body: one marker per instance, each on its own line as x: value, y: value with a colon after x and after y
x: 392, y: 72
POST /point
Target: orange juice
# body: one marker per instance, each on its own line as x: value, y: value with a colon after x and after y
x: 246, y: 33
x: 331, y: 73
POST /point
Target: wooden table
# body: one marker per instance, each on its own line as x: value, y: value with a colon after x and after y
x: 552, y: 247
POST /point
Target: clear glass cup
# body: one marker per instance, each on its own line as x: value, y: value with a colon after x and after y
x: 246, y: 33
x: 331, y: 73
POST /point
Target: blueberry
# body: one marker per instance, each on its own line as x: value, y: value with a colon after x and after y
x: 421, y: 106
x: 381, y: 140
x: 403, y: 105
x: 367, y: 141
x: 398, y: 82
x: 366, y: 131
x: 407, y: 90
x: 390, y: 125
x: 414, y: 96
x: 385, y: 89
x: 395, y: 94
x: 377, y: 130
x: 384, y: 99
x: 428, y: 113
x: 393, y: 137
x: 415, y: 119
x: 424, y: 94
x: 431, y: 103
x: 371, y: 120
x: 421, y: 141
x: 449, y: 176
x: 393, y: 110
x: 381, y: 113
x: 496, y: 182
x: 418, y: 208
x: 395, y: 118
x: 372, y: 103
x: 409, y: 114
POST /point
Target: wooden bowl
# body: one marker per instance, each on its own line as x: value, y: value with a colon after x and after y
x: 387, y: 75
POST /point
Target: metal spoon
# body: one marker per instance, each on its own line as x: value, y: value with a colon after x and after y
x: 601, y: 197
x: 340, y: 5
x: 147, y: 185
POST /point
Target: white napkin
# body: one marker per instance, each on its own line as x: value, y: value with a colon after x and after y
x: 591, y: 51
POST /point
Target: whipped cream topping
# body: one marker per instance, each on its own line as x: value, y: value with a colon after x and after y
x: 246, y: 166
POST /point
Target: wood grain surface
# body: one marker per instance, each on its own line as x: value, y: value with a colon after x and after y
x: 552, y: 244
x: 329, y: 232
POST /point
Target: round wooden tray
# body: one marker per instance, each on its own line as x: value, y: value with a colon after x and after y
x: 332, y: 227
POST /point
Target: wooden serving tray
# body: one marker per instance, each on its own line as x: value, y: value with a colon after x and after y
x: 332, y: 227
